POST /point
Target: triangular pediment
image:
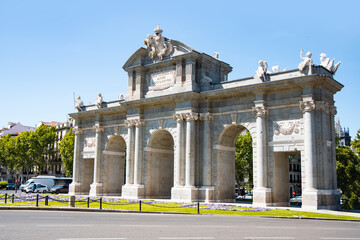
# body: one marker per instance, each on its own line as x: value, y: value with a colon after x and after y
x: 142, y: 56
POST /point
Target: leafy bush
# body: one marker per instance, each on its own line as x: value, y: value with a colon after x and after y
x: 3, y: 184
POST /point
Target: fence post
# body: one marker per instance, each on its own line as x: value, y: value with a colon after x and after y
x: 46, y: 200
x: 5, y: 198
x: 101, y: 203
x: 72, y: 201
x: 88, y: 202
x: 37, y: 200
x: 13, y: 198
x: 198, y: 207
x: 140, y: 205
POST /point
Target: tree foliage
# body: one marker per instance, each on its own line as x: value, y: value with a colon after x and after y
x: 348, y: 173
x: 67, y: 152
x: 244, y: 159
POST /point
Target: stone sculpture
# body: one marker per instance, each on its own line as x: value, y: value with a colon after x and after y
x: 261, y: 72
x: 99, y: 101
x: 307, y: 61
x: 121, y: 97
x: 79, y: 104
x: 158, y: 45
x: 275, y: 68
x: 329, y: 65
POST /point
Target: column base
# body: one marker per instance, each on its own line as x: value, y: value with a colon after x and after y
x: 262, y: 197
x: 96, y: 189
x: 206, y: 193
x: 133, y: 191
x: 75, y: 188
x: 185, y: 194
x: 313, y: 199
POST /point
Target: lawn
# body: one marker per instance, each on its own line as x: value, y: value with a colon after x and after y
x: 159, y: 206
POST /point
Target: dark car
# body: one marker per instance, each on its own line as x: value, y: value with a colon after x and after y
x: 10, y: 186
x: 60, y: 189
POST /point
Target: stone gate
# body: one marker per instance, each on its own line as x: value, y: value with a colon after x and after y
x: 173, y: 134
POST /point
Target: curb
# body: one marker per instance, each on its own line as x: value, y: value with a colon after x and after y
x: 95, y: 210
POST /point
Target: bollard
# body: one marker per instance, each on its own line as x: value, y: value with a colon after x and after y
x: 140, y: 205
x: 100, y: 203
x: 46, y: 200
x: 88, y: 202
x: 72, y: 201
x: 37, y: 200
x: 5, y: 198
x: 13, y: 198
x: 198, y: 207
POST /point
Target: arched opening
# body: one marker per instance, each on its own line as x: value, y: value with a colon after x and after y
x: 287, y: 179
x: 114, y: 165
x: 228, y: 177
x: 160, y: 166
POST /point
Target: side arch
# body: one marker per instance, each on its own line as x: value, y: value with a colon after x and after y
x: 114, y: 165
x: 225, y: 182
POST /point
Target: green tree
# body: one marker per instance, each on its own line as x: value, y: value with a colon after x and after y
x: 8, y: 153
x: 244, y: 159
x: 22, y: 147
x: 348, y: 176
x: 42, y: 146
x: 67, y: 152
x: 356, y: 143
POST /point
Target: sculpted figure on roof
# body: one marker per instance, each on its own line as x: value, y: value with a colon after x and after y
x: 158, y: 45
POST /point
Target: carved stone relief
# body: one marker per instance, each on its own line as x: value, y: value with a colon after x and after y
x: 287, y: 127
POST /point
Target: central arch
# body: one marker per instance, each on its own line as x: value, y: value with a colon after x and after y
x: 114, y: 165
x: 225, y: 187
x: 160, y: 173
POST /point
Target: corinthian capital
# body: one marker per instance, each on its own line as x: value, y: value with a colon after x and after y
x: 259, y: 111
x: 307, y: 106
x: 322, y: 106
x: 97, y: 128
x: 179, y: 117
x: 139, y: 122
x: 206, y: 116
x: 130, y: 123
x: 191, y: 116
x: 332, y: 110
x: 77, y: 131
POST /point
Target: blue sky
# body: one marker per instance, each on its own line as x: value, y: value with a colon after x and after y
x: 51, y: 49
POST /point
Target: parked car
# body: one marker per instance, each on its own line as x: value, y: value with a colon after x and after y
x: 247, y: 196
x: 60, y: 189
x: 297, y: 199
x: 39, y: 188
x: 10, y: 186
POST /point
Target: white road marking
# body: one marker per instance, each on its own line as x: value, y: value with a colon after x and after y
x: 337, y: 229
x: 64, y: 225
x: 329, y: 238
x: 266, y: 227
x: 268, y: 238
x: 91, y: 238
x: 185, y: 238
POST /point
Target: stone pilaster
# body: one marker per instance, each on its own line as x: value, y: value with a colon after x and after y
x: 138, y: 152
x: 190, y: 149
x: 133, y: 187
x: 96, y: 186
x: 262, y: 194
x: 75, y: 186
x: 129, y: 152
x: 206, y: 192
x: 179, y: 156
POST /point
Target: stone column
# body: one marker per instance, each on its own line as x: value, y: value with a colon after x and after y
x: 138, y: 152
x: 308, y: 106
x: 190, y: 149
x: 129, y: 152
x: 179, y: 118
x: 333, y: 112
x: 96, y: 186
x: 75, y: 186
x: 261, y: 159
x: 206, y: 176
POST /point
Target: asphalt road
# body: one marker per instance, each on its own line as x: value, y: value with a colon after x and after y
x: 55, y: 225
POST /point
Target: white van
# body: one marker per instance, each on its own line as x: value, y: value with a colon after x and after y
x: 48, y: 181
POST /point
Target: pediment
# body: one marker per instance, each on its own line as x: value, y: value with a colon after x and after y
x: 142, y: 56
